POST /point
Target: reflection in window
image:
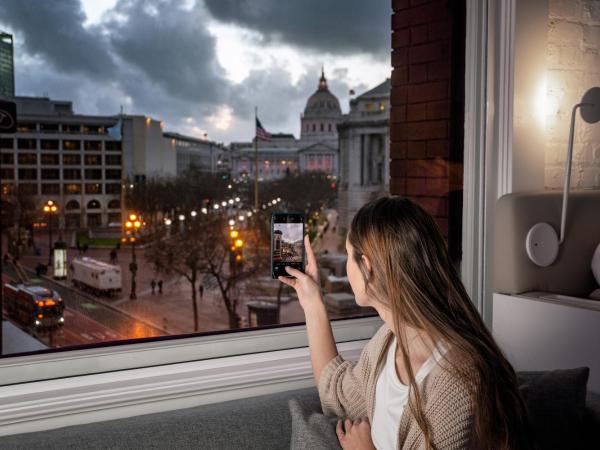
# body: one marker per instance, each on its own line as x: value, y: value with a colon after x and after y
x: 93, y: 204
x: 50, y: 174
x: 93, y: 160
x: 71, y: 160
x: 7, y: 158
x: 49, y: 144
x: 93, y: 188
x: 69, y: 144
x: 26, y: 144
x: 51, y: 159
x: 28, y: 159
x: 92, y: 145
x: 72, y: 188
x: 50, y: 189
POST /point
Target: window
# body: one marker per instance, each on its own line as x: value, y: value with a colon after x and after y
x: 93, y: 174
x: 113, y: 174
x: 112, y: 146
x: 7, y: 158
x: 49, y: 144
x: 93, y: 204
x: 93, y: 160
x: 71, y: 129
x: 7, y: 143
x: 7, y: 174
x: 93, y: 188
x: 69, y: 144
x: 49, y: 127
x: 50, y: 189
x: 72, y: 174
x: 71, y: 160
x: 93, y: 129
x: 28, y: 159
x: 92, y: 145
x: 26, y: 127
x: 112, y: 188
x: 28, y: 189
x: 151, y: 178
x: 71, y: 205
x: 26, y: 144
x: 72, y: 188
x: 50, y: 174
x: 112, y: 160
x: 8, y: 189
x: 50, y: 159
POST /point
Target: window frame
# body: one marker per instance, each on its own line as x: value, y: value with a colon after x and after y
x: 173, y: 350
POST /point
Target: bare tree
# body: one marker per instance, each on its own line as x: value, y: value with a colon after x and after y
x: 205, y: 248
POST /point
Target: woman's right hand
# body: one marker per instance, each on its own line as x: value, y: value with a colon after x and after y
x: 306, y: 284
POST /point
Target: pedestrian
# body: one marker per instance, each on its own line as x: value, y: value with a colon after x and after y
x: 153, y: 285
x: 113, y: 256
x: 79, y: 247
x: 160, y: 283
x: 201, y: 290
x: 85, y: 248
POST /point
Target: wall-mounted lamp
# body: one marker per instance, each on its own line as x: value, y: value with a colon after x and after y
x: 542, y: 242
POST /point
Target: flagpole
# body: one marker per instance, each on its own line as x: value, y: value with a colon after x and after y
x: 255, y: 160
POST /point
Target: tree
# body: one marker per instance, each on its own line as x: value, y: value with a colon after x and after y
x: 204, y: 248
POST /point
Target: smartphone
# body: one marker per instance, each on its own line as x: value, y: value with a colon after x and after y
x: 287, y: 242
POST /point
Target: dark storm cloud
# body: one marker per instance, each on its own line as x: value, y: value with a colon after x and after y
x: 54, y: 31
x: 171, y: 46
x: 335, y: 26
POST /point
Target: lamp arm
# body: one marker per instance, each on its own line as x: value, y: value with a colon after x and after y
x: 567, y: 184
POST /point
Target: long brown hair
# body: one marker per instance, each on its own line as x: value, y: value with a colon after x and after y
x: 412, y: 275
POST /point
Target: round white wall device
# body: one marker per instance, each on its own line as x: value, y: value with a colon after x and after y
x: 541, y: 244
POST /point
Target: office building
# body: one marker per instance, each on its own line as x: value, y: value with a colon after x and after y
x: 7, y: 66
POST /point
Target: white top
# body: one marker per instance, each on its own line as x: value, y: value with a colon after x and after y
x: 391, y: 397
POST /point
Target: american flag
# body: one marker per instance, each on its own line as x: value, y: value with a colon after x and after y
x: 261, y: 133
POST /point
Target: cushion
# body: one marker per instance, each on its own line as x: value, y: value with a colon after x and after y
x: 311, y: 430
x: 556, y: 404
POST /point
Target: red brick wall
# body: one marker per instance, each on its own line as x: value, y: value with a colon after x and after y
x: 428, y: 108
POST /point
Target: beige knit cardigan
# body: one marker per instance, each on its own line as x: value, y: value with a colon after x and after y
x: 347, y: 389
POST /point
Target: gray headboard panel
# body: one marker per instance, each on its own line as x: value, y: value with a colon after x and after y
x: 570, y: 274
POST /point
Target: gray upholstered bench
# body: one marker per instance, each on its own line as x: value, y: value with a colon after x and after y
x: 253, y: 423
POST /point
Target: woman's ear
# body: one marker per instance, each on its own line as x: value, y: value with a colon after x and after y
x: 367, y: 265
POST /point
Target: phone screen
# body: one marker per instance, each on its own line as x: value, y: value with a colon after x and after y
x: 287, y: 242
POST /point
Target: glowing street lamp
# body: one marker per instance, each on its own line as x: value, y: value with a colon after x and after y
x: 132, y: 226
x: 50, y: 208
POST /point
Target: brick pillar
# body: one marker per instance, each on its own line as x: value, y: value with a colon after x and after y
x: 427, y: 109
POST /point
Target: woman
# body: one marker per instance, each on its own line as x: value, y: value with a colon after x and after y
x: 432, y: 376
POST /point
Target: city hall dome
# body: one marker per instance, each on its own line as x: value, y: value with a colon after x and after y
x: 322, y: 103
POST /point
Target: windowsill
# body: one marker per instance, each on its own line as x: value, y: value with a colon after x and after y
x: 47, y: 366
x: 43, y: 405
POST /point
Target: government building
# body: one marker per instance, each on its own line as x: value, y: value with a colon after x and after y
x: 315, y: 150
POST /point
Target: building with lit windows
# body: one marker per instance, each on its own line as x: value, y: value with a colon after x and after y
x: 364, y: 151
x: 7, y: 68
x: 315, y: 150
x: 197, y: 154
x: 65, y: 157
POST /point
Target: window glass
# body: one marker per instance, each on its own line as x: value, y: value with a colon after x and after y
x: 160, y: 124
x: 7, y: 158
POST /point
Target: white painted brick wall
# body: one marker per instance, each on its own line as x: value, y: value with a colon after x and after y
x: 573, y: 63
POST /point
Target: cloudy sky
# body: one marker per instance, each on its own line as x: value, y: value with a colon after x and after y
x: 292, y: 232
x: 199, y: 65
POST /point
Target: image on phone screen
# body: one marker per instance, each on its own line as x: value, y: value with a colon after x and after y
x: 287, y: 242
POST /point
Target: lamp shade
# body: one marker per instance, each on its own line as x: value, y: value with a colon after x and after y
x: 590, y: 105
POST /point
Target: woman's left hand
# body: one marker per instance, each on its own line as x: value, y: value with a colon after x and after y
x: 357, y: 434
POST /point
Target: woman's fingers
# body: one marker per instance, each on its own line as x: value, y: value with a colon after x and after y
x: 289, y: 281
x: 310, y: 254
x: 339, y: 431
x: 294, y: 272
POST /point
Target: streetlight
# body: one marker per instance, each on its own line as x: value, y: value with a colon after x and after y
x: 193, y: 213
x: 50, y: 208
x: 132, y: 226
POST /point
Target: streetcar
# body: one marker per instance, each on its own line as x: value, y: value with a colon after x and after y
x: 34, y: 307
